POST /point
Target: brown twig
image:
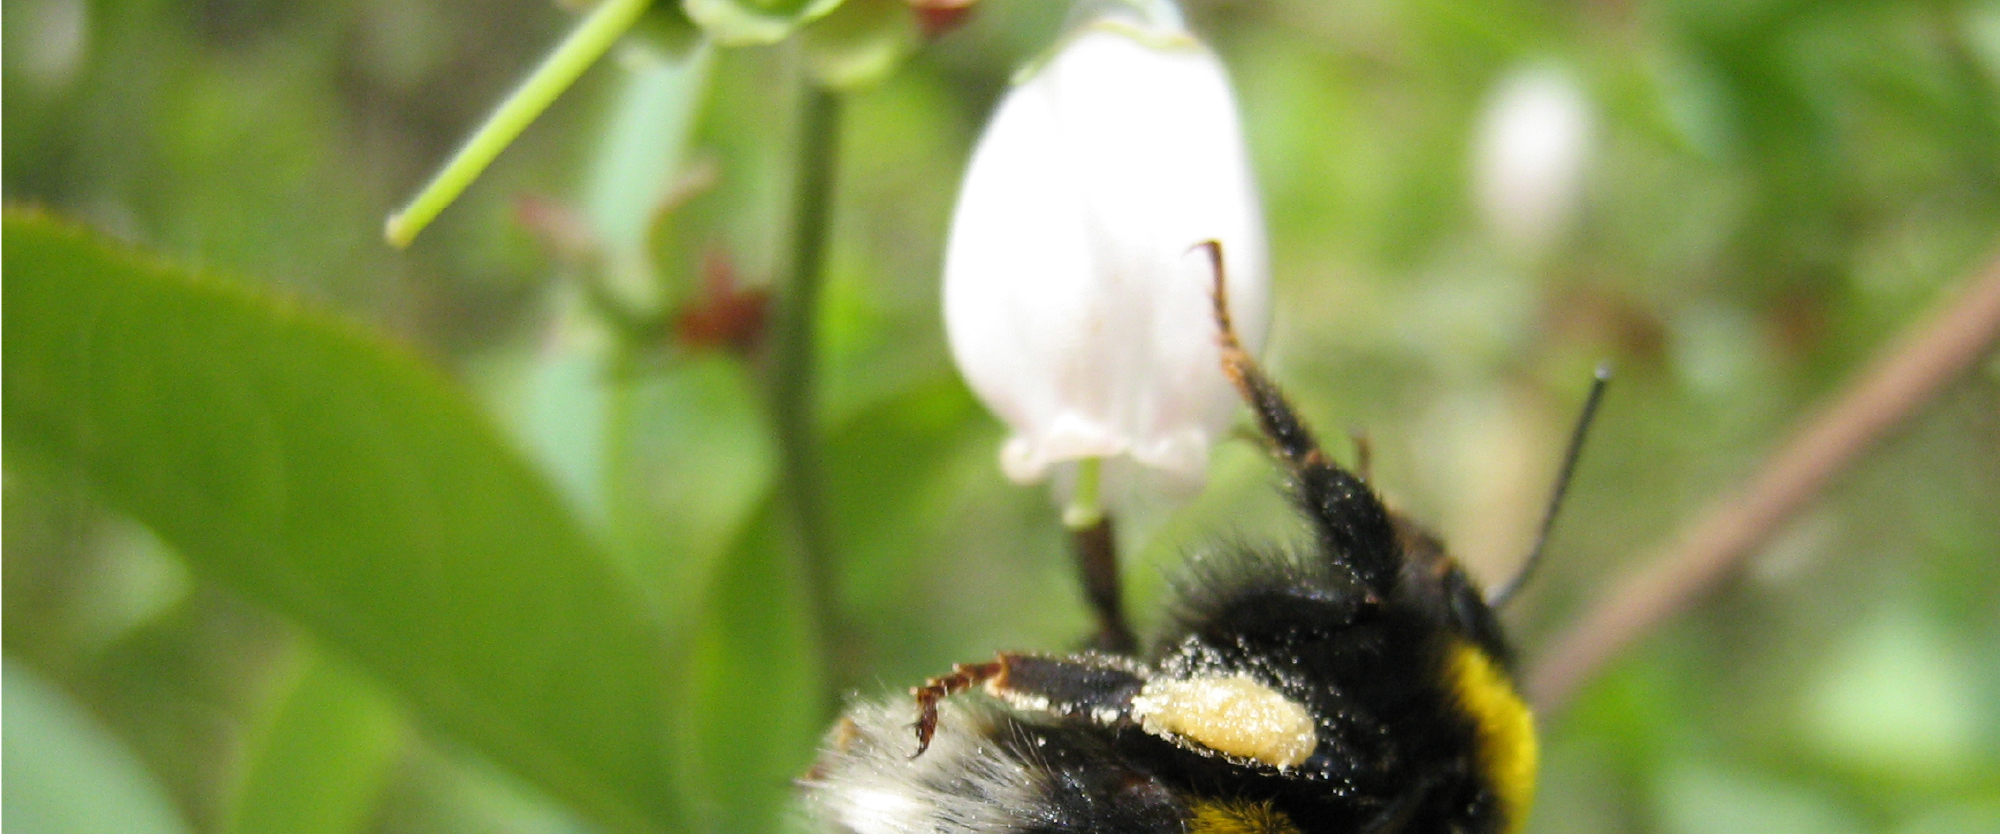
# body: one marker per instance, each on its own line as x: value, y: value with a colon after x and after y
x: 1898, y: 383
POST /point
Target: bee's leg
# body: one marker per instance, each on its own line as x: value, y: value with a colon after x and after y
x: 1351, y: 520
x: 963, y: 676
x: 1364, y: 454
x: 1091, y: 685
x: 1097, y: 686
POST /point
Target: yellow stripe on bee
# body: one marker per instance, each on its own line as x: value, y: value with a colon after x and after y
x: 1506, y: 729
x: 1233, y: 816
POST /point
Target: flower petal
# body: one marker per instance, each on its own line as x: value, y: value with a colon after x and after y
x: 1075, y: 303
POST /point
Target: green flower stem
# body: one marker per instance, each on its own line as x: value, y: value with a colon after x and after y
x: 793, y: 359
x: 1095, y: 546
x: 1086, y: 507
x: 585, y: 44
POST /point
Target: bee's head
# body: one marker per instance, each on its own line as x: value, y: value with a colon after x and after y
x: 1434, y: 582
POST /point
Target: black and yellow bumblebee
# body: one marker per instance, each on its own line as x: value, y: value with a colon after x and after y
x: 1360, y: 685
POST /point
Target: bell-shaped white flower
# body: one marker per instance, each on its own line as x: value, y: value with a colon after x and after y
x: 1532, y: 147
x: 1074, y: 301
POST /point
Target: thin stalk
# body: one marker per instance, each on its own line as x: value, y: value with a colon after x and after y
x: 793, y: 357
x: 591, y: 38
x: 1096, y: 551
x: 1095, y: 547
x: 1086, y: 506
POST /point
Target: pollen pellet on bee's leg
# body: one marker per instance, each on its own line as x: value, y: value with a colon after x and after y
x: 1233, y: 715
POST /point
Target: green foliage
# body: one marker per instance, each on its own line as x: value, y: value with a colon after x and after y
x: 324, y: 474
x: 757, y: 704
x: 54, y: 746
x: 323, y: 757
x: 270, y: 572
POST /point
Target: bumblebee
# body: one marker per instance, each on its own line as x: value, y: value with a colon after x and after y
x: 1361, y: 685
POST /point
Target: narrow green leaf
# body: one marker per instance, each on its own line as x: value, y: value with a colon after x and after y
x: 326, y: 474
x: 757, y: 699
x: 639, y: 164
x: 66, y: 774
x: 323, y: 759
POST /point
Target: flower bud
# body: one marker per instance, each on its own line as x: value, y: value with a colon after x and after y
x: 1074, y: 301
x: 1529, y: 156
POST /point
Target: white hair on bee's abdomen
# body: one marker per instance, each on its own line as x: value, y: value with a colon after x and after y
x: 866, y: 783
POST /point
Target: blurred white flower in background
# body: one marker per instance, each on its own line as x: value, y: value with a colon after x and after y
x: 1074, y: 306
x: 1529, y: 156
x: 50, y: 39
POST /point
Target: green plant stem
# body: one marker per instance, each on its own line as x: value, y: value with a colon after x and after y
x: 585, y: 44
x: 793, y: 360
x: 1085, y: 508
x: 1096, y: 549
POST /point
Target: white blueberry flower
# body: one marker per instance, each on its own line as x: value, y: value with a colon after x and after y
x: 1075, y: 303
x: 1532, y: 147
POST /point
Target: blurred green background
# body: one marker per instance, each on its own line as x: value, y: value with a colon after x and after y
x: 1773, y: 189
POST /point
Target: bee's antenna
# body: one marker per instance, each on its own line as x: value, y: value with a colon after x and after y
x: 1499, y: 596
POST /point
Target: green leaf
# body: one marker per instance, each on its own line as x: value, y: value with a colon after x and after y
x: 640, y: 161
x: 332, y: 477
x: 757, y: 697
x: 754, y: 22
x: 553, y: 404
x: 689, y: 462
x: 322, y: 761
x: 1696, y: 798
x: 888, y: 466
x: 66, y: 773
